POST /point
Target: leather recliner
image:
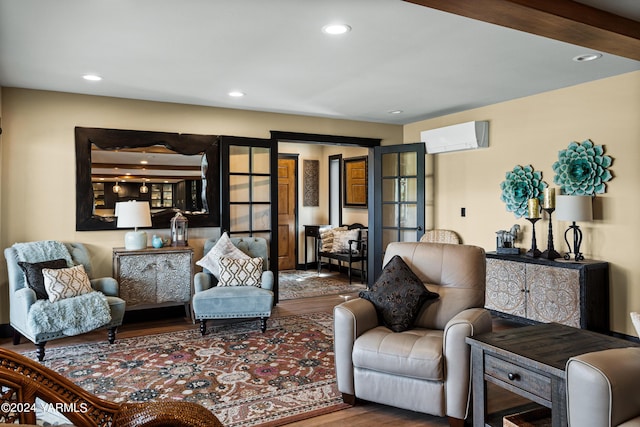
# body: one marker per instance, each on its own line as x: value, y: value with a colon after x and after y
x: 427, y: 368
x: 602, y: 388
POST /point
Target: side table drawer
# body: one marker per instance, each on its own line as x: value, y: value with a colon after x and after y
x: 518, y: 376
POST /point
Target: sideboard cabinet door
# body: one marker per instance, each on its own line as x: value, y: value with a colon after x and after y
x: 152, y: 277
x: 539, y: 290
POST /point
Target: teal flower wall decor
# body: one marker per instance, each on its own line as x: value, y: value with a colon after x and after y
x: 582, y: 169
x: 520, y: 185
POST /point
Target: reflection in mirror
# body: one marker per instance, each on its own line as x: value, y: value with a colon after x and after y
x: 162, y: 177
x: 170, y: 171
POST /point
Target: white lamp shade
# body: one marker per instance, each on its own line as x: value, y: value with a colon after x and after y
x: 574, y: 208
x: 133, y: 214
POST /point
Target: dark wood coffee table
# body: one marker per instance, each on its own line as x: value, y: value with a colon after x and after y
x: 530, y: 362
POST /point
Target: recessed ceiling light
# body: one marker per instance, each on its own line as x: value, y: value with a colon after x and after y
x: 236, y: 94
x: 92, y: 77
x: 396, y: 112
x: 336, y: 29
x: 587, y: 57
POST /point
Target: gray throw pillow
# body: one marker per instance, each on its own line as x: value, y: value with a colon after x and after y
x: 33, y: 273
x: 398, y: 295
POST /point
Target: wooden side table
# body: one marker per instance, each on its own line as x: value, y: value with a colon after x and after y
x: 530, y: 362
x: 312, y: 231
x: 151, y: 277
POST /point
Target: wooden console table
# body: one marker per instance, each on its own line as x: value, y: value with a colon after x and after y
x: 530, y: 362
x: 541, y: 290
x: 150, y: 277
x: 312, y: 231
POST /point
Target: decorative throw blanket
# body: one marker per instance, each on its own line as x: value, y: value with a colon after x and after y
x: 72, y: 316
x: 44, y: 250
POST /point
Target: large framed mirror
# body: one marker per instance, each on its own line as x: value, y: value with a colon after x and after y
x: 173, y: 172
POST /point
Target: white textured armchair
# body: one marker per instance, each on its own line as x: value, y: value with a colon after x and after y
x: 426, y: 368
x: 215, y: 300
x: 25, y: 301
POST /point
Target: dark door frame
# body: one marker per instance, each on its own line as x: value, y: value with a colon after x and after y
x: 311, y: 138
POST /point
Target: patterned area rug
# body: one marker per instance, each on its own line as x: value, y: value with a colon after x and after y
x: 245, y: 377
x: 304, y: 284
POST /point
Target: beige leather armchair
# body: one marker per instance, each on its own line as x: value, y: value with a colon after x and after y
x: 427, y: 368
x: 603, y: 388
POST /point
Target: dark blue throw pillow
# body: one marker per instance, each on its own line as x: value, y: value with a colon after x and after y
x: 398, y: 295
x: 35, y: 279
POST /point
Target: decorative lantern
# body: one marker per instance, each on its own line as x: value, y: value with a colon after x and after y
x: 179, y: 225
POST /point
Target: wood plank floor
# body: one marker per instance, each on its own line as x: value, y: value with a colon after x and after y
x: 363, y: 414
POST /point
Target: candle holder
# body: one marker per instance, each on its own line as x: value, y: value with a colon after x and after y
x: 533, y: 252
x: 551, y: 252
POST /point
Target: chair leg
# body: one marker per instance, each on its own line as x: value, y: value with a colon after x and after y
x: 263, y: 324
x: 41, y: 350
x: 349, y: 399
x: 203, y: 326
x: 112, y: 334
x: 16, y: 337
x: 456, y: 422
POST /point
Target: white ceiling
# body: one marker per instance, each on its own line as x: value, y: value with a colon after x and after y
x: 399, y: 56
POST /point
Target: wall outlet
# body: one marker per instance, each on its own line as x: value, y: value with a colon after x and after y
x: 463, y: 211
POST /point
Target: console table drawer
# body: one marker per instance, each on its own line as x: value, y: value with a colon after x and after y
x: 518, y: 376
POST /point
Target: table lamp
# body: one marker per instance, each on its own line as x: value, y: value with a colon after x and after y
x: 134, y: 214
x: 574, y: 208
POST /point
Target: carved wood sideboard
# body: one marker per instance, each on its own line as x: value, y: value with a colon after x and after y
x: 540, y: 290
x: 152, y: 277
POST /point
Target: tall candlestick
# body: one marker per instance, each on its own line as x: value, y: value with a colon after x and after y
x: 534, y: 208
x: 549, y: 198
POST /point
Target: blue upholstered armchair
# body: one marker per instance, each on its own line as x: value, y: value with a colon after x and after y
x: 213, y: 301
x: 33, y: 316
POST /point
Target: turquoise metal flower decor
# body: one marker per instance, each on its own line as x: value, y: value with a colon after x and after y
x: 582, y: 169
x: 520, y: 185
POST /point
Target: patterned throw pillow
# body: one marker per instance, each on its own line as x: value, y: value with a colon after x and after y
x: 66, y: 282
x: 341, y: 240
x: 223, y: 247
x: 33, y: 273
x: 240, y: 272
x: 398, y: 295
x: 326, y: 238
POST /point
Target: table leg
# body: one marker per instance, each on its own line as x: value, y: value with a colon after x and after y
x: 479, y: 387
x: 558, y: 403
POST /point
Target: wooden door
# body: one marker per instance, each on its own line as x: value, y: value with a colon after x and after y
x: 287, y: 213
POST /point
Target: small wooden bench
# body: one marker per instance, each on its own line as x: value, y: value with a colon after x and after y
x: 350, y: 257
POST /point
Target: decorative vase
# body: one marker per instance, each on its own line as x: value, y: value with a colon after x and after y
x: 156, y: 241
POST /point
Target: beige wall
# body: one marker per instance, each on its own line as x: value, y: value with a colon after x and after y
x: 37, y: 185
x: 531, y: 131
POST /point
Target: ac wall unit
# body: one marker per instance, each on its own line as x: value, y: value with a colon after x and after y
x: 463, y: 136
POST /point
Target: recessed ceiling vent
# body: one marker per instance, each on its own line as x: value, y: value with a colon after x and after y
x: 463, y: 136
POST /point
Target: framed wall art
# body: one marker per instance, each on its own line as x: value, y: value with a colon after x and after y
x: 355, y: 182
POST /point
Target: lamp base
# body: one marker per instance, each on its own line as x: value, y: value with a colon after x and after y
x: 135, y: 240
x: 577, y: 241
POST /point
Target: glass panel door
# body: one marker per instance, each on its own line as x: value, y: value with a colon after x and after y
x: 398, y: 208
x: 248, y: 190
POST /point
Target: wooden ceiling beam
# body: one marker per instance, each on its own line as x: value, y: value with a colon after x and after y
x: 562, y: 20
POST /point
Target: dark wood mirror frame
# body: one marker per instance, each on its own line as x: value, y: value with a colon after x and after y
x: 113, y: 139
